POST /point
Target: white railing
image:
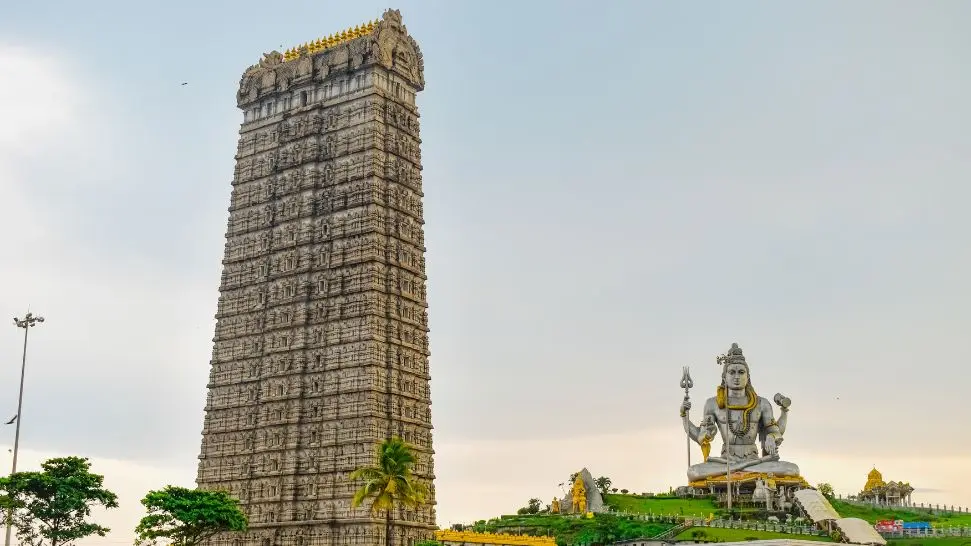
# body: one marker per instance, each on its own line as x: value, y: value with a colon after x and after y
x: 918, y: 507
x: 956, y: 531
x: 699, y: 521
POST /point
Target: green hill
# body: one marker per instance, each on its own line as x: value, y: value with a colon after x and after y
x: 607, y: 528
x: 568, y: 530
x: 873, y: 514
x: 660, y: 505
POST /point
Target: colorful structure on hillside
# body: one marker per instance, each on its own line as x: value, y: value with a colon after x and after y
x: 584, y: 497
x: 889, y: 493
x: 578, y: 496
x: 462, y: 538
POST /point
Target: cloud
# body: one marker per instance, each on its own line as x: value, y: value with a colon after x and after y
x: 57, y: 149
x: 38, y: 100
x: 120, y: 366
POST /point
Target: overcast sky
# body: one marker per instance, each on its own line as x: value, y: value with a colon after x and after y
x: 613, y: 191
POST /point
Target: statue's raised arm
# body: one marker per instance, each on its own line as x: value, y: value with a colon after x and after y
x: 783, y: 402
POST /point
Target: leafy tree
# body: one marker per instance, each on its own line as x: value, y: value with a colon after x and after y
x: 390, y: 483
x: 533, y: 506
x: 624, y: 491
x: 51, y: 507
x: 573, y: 478
x: 826, y: 490
x: 603, y: 483
x: 188, y: 516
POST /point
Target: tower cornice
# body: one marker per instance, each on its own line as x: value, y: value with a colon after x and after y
x: 384, y: 42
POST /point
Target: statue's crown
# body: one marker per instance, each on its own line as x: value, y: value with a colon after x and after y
x: 733, y: 356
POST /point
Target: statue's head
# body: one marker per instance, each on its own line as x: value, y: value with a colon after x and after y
x: 735, y: 372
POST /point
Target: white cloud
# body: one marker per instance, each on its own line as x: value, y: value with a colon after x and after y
x: 55, y: 146
x: 38, y: 100
x: 119, y: 330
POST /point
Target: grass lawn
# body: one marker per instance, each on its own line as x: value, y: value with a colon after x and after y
x: 739, y: 535
x: 661, y: 505
x: 603, y: 528
x: 873, y: 514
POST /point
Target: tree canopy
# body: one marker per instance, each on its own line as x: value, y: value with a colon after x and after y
x: 52, y: 507
x: 826, y: 490
x: 603, y: 483
x: 188, y: 516
x: 390, y: 483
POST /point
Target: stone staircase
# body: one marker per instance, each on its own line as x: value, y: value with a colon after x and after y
x: 818, y: 509
x: 671, y: 533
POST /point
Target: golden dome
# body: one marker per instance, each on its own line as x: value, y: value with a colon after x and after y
x: 873, y: 479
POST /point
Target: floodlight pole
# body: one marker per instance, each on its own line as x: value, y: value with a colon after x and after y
x: 28, y: 322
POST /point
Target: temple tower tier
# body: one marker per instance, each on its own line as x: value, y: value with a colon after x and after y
x: 321, y: 342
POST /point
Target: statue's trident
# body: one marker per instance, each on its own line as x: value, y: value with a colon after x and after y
x: 686, y: 384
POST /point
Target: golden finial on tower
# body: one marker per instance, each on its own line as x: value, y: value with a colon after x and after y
x: 331, y: 40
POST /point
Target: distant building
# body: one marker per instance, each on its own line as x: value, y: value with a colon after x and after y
x: 880, y: 492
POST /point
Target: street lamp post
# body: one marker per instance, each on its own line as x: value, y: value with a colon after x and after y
x: 28, y: 322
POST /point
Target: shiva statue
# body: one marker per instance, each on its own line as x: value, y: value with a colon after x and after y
x: 750, y: 434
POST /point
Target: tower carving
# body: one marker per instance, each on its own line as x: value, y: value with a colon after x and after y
x: 321, y: 341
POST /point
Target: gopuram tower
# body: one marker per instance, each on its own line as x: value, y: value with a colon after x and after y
x: 321, y: 342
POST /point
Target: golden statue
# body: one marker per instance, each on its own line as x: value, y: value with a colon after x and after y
x: 555, y: 506
x: 579, y: 496
x: 707, y: 433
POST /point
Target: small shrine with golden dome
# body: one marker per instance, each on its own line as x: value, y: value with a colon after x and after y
x: 887, y: 493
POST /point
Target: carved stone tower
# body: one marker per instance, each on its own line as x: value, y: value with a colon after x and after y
x: 321, y: 343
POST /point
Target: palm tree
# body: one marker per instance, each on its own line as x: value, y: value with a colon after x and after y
x: 390, y: 483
